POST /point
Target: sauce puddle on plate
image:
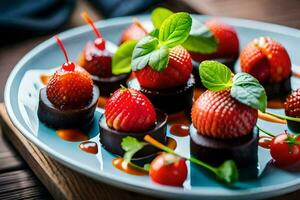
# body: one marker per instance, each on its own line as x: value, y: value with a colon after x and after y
x: 180, y: 130
x: 72, y: 135
x: 102, y: 102
x: 265, y: 142
x: 89, y: 147
x: 128, y: 168
x: 45, y: 78
x: 171, y: 143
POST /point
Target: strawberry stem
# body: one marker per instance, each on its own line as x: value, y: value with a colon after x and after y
x: 285, y: 117
x: 62, y: 47
x: 88, y: 20
x: 265, y: 131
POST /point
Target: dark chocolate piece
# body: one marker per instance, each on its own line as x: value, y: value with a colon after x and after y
x: 278, y: 90
x: 293, y: 126
x: 169, y: 100
x: 111, y: 139
x: 110, y: 84
x: 243, y: 150
x: 79, y: 118
x: 228, y: 62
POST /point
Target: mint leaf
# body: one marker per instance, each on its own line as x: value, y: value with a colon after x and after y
x: 148, y: 52
x: 158, y: 15
x: 201, y: 39
x: 131, y: 145
x: 227, y: 172
x: 154, y: 33
x: 215, y: 76
x: 142, y: 51
x: 247, y: 90
x: 175, y: 29
x: 122, y: 58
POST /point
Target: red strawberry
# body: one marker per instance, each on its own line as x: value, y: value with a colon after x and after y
x: 135, y: 31
x: 96, y: 61
x: 70, y: 88
x: 218, y: 115
x: 129, y: 110
x: 292, y: 104
x: 266, y: 59
x: 177, y: 72
x: 228, y: 42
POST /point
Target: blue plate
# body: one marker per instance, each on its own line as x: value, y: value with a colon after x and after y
x: 21, y: 99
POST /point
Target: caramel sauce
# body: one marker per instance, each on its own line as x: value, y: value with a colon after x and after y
x: 45, y: 78
x: 72, y: 135
x: 89, y: 147
x: 102, y: 102
x: 180, y: 130
x: 275, y: 103
x: 179, y: 118
x: 265, y: 142
x: 171, y: 143
x: 129, y: 169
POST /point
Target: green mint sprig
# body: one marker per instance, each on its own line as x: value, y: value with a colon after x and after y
x: 121, y: 60
x: 131, y: 146
x: 243, y: 87
x: 200, y: 39
x: 154, y: 50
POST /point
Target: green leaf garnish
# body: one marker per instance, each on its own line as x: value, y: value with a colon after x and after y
x: 154, y: 33
x: 147, y: 52
x: 226, y: 173
x: 247, y: 90
x: 122, y: 58
x: 158, y: 15
x: 215, y: 76
x: 201, y: 39
x: 131, y: 145
x: 154, y: 51
x: 175, y: 29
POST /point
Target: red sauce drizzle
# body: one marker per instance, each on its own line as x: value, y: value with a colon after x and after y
x: 102, y: 102
x: 171, y: 143
x: 129, y: 169
x: 180, y: 130
x: 265, y: 142
x: 72, y: 135
x: 89, y: 147
x: 45, y: 78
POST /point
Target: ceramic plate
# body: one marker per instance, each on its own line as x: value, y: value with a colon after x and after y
x: 21, y: 100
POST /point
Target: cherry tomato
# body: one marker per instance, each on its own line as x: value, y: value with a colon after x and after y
x: 284, y: 153
x: 168, y: 169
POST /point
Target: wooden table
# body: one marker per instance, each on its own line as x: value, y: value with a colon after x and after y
x: 18, y: 181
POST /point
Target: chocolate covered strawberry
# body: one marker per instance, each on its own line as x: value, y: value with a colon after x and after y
x: 177, y: 72
x: 95, y: 58
x: 135, y: 31
x: 71, y: 86
x: 292, y: 104
x: 218, y: 115
x: 266, y: 59
x: 129, y: 110
x: 228, y: 109
x: 226, y: 39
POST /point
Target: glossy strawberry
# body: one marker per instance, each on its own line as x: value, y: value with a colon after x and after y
x: 228, y: 42
x: 129, y: 110
x: 70, y: 88
x: 218, y: 115
x: 135, y: 31
x: 96, y: 61
x: 292, y: 104
x: 177, y: 72
x: 266, y: 59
